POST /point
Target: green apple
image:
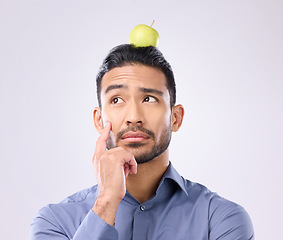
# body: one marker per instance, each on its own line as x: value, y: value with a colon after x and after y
x: 144, y: 36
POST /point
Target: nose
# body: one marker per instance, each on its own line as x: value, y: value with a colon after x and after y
x: 134, y: 115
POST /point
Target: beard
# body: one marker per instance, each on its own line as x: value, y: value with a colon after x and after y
x: 146, y: 155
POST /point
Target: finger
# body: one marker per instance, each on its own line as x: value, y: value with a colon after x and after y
x: 128, y: 160
x: 133, y: 167
x: 102, y: 140
x: 126, y: 169
x: 106, y: 131
x: 132, y: 164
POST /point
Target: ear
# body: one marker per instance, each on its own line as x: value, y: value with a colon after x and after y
x: 177, y: 117
x: 97, y: 119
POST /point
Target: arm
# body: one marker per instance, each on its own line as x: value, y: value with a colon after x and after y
x: 111, y: 167
x: 46, y: 225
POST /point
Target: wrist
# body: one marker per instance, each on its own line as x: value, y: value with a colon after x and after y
x: 106, y: 207
x: 108, y: 200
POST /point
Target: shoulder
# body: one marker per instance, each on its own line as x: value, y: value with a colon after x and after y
x: 225, y: 218
x: 81, y: 196
x: 69, y: 212
x: 79, y: 200
x: 229, y: 218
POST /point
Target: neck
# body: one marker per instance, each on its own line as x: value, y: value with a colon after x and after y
x: 144, y: 184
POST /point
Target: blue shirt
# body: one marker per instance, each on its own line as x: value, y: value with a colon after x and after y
x: 179, y: 210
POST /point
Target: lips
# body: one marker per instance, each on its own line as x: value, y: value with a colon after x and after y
x: 135, y: 136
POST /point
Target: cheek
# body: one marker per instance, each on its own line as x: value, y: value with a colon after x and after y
x: 115, y: 117
x: 159, y: 121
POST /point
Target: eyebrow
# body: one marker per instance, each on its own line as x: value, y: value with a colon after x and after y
x: 144, y: 90
x: 151, y: 90
x: 112, y: 87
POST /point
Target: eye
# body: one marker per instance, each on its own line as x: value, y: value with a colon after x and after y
x: 150, y: 99
x: 116, y: 100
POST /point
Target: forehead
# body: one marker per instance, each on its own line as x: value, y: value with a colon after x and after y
x: 135, y: 76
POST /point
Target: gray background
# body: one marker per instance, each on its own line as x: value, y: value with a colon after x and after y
x: 227, y: 59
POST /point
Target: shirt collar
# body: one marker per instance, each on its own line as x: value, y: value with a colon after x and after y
x: 171, y: 173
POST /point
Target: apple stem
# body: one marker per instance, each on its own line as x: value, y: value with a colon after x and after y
x: 152, y: 23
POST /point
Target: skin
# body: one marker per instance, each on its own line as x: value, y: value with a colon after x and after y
x: 133, y: 97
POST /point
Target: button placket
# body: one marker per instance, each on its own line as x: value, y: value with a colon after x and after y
x: 140, y: 223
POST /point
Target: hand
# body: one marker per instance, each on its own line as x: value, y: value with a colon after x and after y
x: 112, y: 168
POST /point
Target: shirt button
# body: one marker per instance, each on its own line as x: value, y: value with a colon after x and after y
x: 142, y: 208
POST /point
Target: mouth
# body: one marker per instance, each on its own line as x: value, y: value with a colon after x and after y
x: 134, y: 136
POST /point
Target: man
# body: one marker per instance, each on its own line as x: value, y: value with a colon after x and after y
x: 139, y: 194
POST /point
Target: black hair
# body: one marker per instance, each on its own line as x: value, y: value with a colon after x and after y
x: 127, y: 54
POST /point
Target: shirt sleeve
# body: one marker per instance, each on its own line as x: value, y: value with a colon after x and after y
x: 229, y: 221
x: 46, y: 227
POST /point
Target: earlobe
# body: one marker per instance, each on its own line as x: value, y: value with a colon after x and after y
x: 177, y: 117
x: 97, y: 119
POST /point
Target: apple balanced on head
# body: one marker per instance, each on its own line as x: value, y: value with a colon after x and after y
x: 144, y: 36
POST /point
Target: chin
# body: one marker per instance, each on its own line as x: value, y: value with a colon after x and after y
x: 135, y: 145
x: 141, y: 154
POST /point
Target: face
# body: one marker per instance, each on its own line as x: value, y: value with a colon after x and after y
x: 136, y: 101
